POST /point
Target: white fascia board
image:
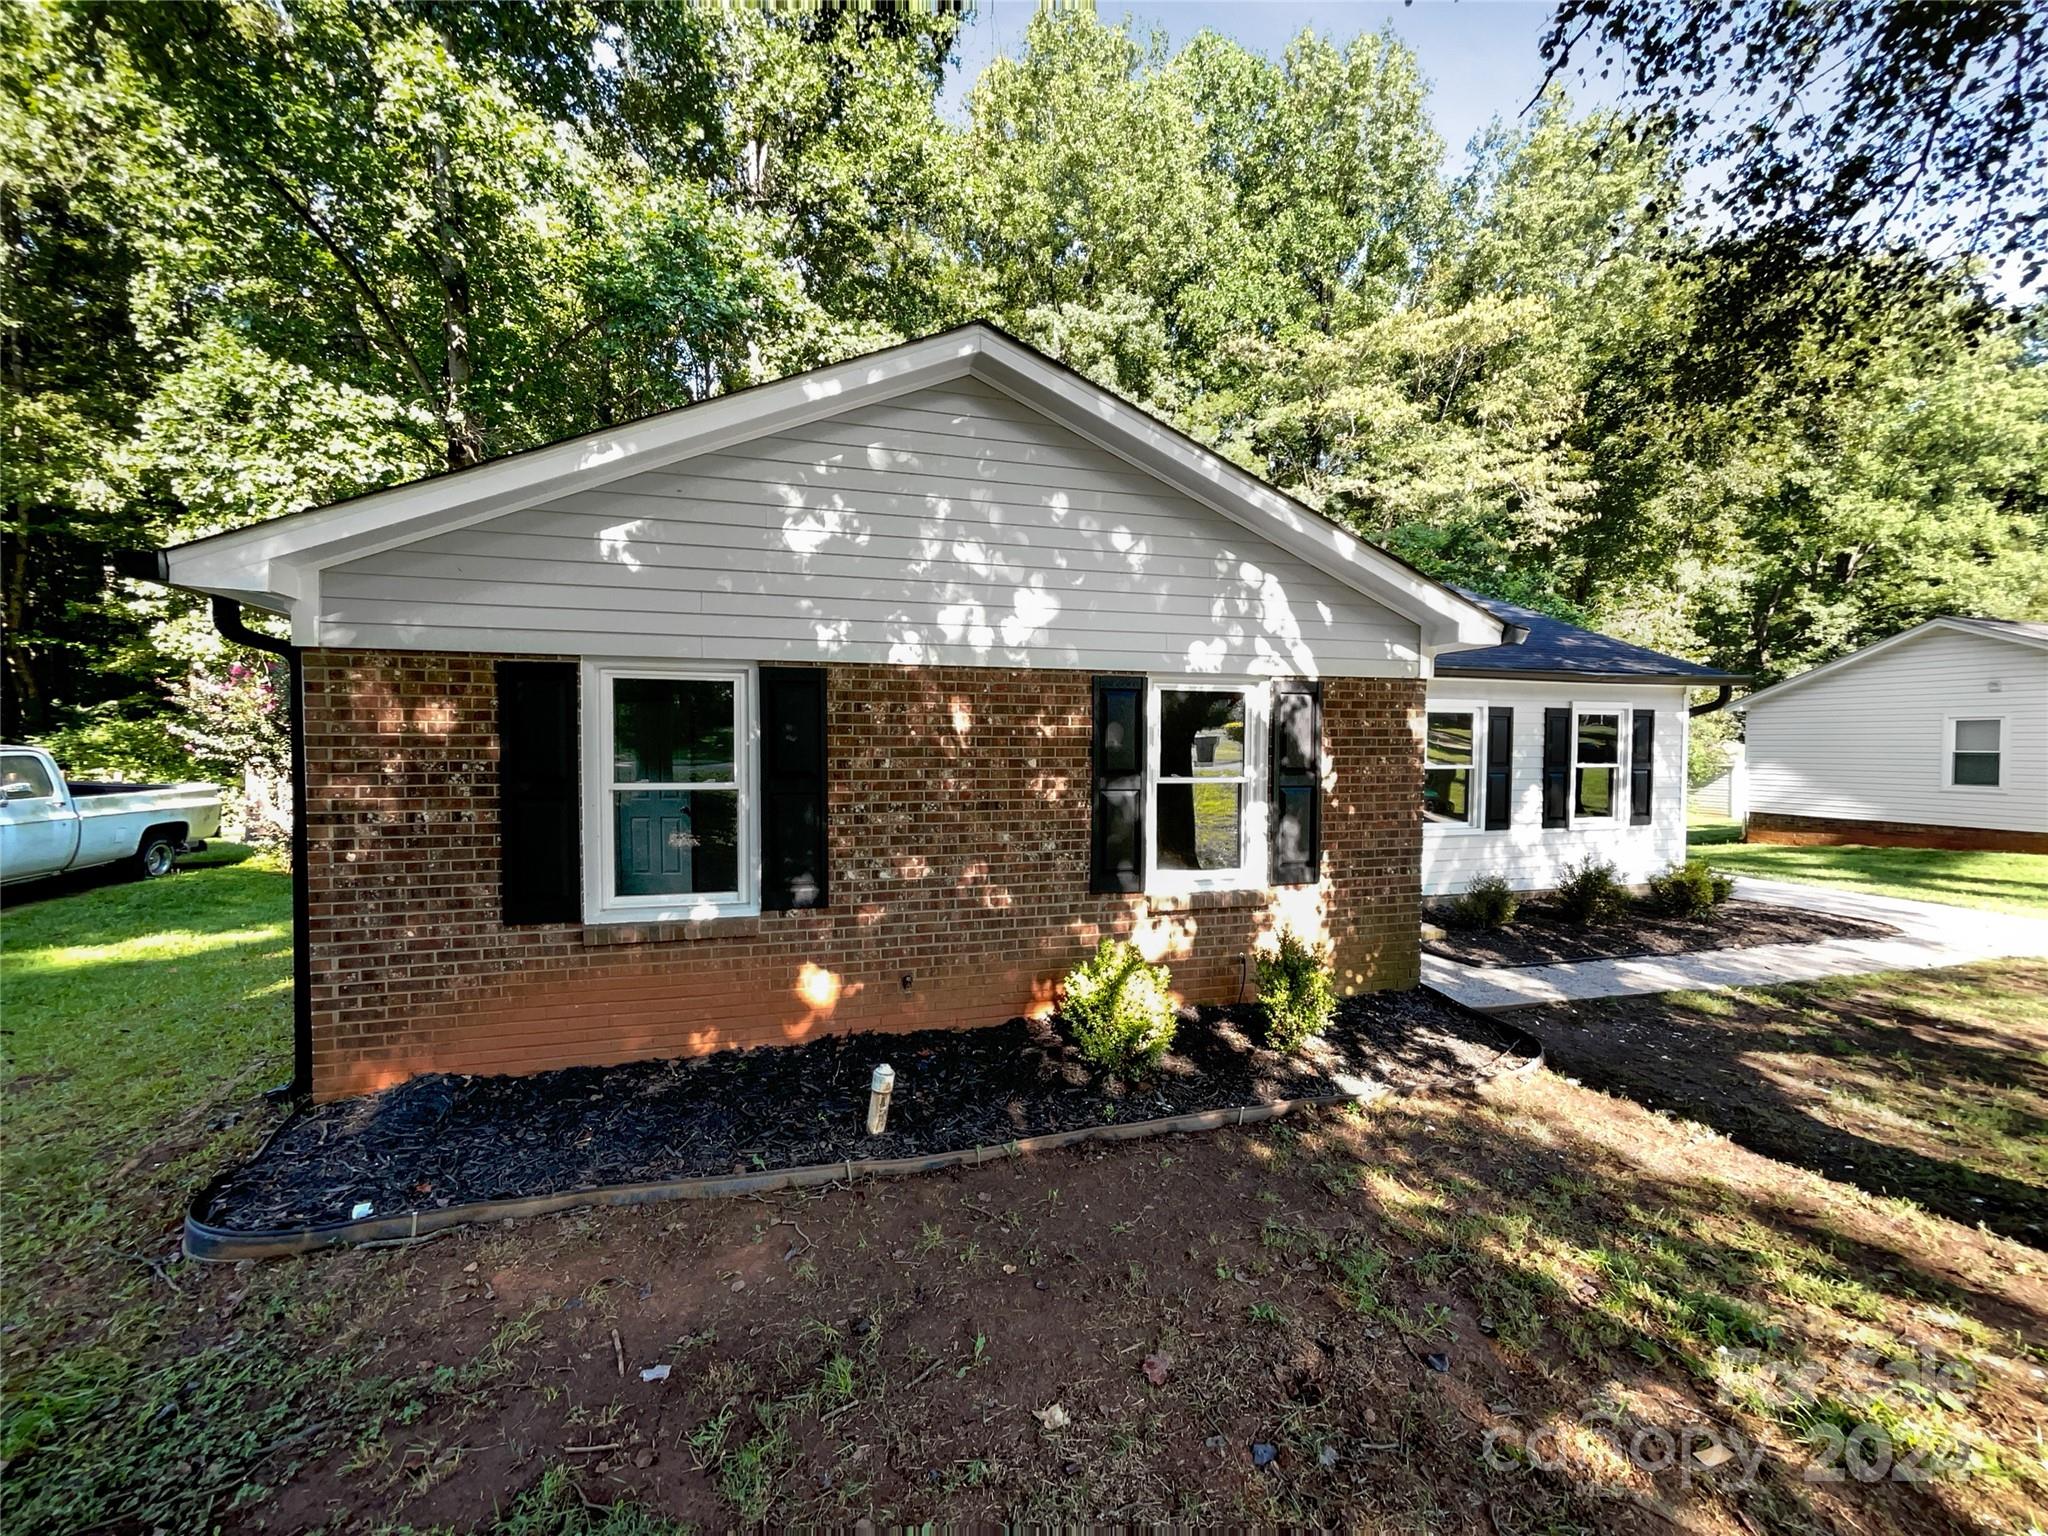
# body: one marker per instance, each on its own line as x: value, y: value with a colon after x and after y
x: 1447, y: 621
x: 1877, y: 647
x: 269, y: 556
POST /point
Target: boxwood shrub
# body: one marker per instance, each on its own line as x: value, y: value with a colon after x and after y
x: 1119, y: 1008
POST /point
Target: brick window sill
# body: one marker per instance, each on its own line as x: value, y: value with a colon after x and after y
x: 612, y: 935
x: 1214, y: 901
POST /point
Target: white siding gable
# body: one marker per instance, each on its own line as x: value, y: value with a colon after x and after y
x: 1869, y: 741
x: 950, y: 525
x: 1528, y: 854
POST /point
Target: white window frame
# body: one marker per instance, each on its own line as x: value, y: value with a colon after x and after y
x: 1948, y: 755
x: 1475, y: 801
x: 1616, y: 816
x: 600, y: 822
x: 1254, y: 855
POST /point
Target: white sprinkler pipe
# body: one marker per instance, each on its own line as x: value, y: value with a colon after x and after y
x: 880, y: 1086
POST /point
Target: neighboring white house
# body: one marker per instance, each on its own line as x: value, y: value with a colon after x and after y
x: 1935, y: 737
x: 1727, y: 792
x: 1567, y: 746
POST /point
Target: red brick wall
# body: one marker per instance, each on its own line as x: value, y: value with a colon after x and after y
x: 1771, y: 827
x: 959, y: 833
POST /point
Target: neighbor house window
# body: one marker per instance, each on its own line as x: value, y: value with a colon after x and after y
x: 669, y: 830
x: 1450, y: 781
x: 1596, y: 766
x: 1974, y: 750
x: 1208, y: 801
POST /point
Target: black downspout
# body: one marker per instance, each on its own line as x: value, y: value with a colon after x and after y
x: 227, y: 618
x: 1718, y: 702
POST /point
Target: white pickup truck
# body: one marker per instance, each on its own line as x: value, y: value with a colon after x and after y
x: 48, y: 827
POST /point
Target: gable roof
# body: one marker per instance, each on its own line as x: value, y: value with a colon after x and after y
x: 277, y: 564
x: 2021, y: 632
x: 1559, y: 652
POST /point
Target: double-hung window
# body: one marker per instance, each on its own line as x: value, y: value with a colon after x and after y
x: 669, y: 823
x: 1450, y: 770
x: 1207, y: 780
x: 1975, y: 751
x: 1596, y: 766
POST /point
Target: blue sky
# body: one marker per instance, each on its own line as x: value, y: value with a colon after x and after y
x: 1480, y: 55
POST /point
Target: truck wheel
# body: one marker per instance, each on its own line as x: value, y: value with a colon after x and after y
x: 156, y: 857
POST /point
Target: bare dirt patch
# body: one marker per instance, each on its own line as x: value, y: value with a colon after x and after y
x: 1340, y: 1318
x: 1543, y: 935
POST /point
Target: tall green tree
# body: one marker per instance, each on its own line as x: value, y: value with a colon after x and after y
x: 264, y: 253
x: 1863, y: 126
x: 75, y: 373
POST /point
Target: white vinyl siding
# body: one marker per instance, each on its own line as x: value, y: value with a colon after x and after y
x: 1529, y: 855
x: 1871, y: 741
x: 951, y: 525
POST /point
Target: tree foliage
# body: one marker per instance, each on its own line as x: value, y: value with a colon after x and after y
x: 262, y: 255
x: 1856, y: 124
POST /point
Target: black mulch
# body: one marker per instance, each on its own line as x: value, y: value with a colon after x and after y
x: 1541, y: 935
x: 446, y: 1140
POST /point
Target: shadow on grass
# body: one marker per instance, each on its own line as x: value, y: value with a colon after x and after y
x: 1870, y: 1084
x: 31, y: 893
x: 1713, y: 834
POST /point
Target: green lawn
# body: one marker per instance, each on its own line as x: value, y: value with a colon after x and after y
x: 2007, y: 882
x: 143, y: 1022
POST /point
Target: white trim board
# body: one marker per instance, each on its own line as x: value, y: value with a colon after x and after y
x: 277, y: 564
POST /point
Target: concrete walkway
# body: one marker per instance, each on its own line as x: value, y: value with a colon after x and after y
x: 1930, y: 935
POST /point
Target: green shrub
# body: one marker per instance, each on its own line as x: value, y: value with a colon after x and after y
x: 1119, y: 1008
x: 1488, y: 902
x: 1690, y: 889
x: 1295, y: 992
x: 1591, y: 891
x: 102, y: 743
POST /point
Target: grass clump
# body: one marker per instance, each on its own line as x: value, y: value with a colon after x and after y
x: 1691, y: 889
x: 1119, y: 1008
x: 1591, y: 892
x: 1488, y: 902
x: 1295, y: 992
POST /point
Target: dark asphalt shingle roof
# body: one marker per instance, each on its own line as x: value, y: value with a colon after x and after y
x: 1559, y: 651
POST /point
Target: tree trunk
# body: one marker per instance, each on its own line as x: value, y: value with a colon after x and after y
x: 1765, y: 609
x: 23, y: 690
x: 465, y: 439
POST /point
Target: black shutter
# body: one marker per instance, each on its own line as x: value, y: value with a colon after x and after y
x: 794, y: 848
x: 540, y: 847
x: 1297, y: 782
x: 1557, y: 767
x: 1500, y: 774
x: 1117, y: 842
x: 1641, y: 759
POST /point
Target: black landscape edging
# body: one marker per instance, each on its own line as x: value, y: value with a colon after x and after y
x: 212, y: 1244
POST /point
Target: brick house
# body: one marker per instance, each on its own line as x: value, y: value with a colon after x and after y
x: 865, y: 699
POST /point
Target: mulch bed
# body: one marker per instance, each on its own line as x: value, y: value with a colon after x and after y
x: 444, y: 1140
x: 1542, y: 935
